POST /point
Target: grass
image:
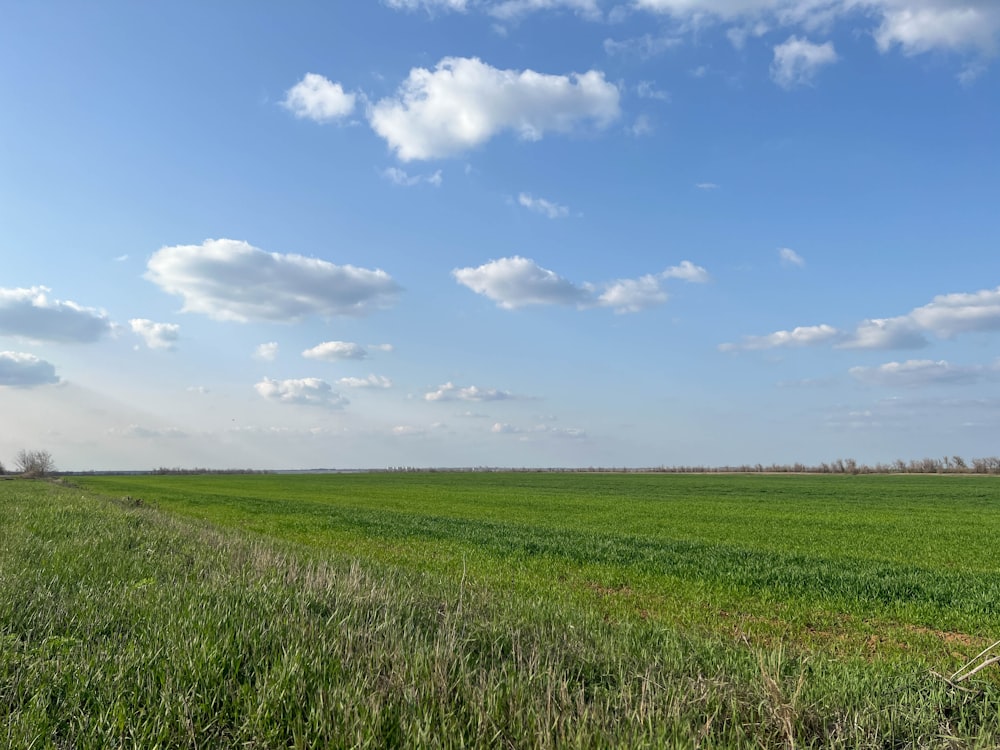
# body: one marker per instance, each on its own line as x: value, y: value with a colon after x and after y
x: 467, y: 610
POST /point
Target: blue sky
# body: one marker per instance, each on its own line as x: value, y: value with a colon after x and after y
x: 499, y: 232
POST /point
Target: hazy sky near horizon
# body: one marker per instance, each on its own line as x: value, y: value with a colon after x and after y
x: 499, y: 232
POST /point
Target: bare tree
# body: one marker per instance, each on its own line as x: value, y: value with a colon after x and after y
x: 34, y: 463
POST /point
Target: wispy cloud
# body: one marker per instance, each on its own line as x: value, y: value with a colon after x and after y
x: 789, y: 257
x: 542, y: 206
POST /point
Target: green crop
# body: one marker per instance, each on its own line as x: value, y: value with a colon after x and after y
x: 485, y: 610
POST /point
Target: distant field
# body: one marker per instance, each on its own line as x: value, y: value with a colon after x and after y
x: 487, y: 609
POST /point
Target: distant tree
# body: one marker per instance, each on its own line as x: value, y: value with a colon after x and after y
x: 2, y: 469
x: 959, y: 463
x: 34, y: 463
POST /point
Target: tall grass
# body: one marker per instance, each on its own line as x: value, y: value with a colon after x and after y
x: 121, y: 626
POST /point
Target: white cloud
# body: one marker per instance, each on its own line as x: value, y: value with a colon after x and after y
x: 510, y: 10
x: 915, y: 26
x: 686, y: 271
x: 267, y: 352
x: 633, y: 295
x: 946, y: 315
x: 503, y: 428
x: 464, y: 102
x: 503, y: 10
x: 518, y: 282
x: 920, y: 26
x: 707, y: 186
x: 451, y: 392
x: 372, y: 381
x: 333, y: 350
x: 800, y: 336
x: 950, y: 314
x: 138, y: 431
x: 232, y: 280
x: 790, y: 258
x: 319, y: 99
x: 156, y: 335
x: 645, y: 46
x: 382, y: 347
x: 18, y: 369
x: 738, y: 35
x: 643, y: 125
x: 406, y: 430
x: 305, y: 391
x: 885, y: 333
x: 648, y: 90
x: 429, y: 5
x: 922, y: 372
x: 797, y: 61
x: 397, y: 176
x: 542, y: 206
x: 31, y: 314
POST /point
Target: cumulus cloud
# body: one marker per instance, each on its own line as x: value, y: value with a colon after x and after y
x: 451, y: 392
x: 518, y: 282
x: 790, y: 258
x: 542, y: 206
x: 31, y: 314
x: 319, y: 99
x: 939, y: 24
x: 21, y: 370
x: 156, y: 335
x: 633, y: 295
x: 334, y: 350
x: 266, y: 352
x: 923, y: 372
x: 232, y: 280
x: 399, y: 177
x: 305, y: 391
x: 797, y: 61
x: 945, y: 316
x: 465, y: 102
x: 372, y: 381
x: 885, y: 333
x: 950, y: 314
x: 686, y: 271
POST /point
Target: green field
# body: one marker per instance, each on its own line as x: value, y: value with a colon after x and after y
x: 499, y: 610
